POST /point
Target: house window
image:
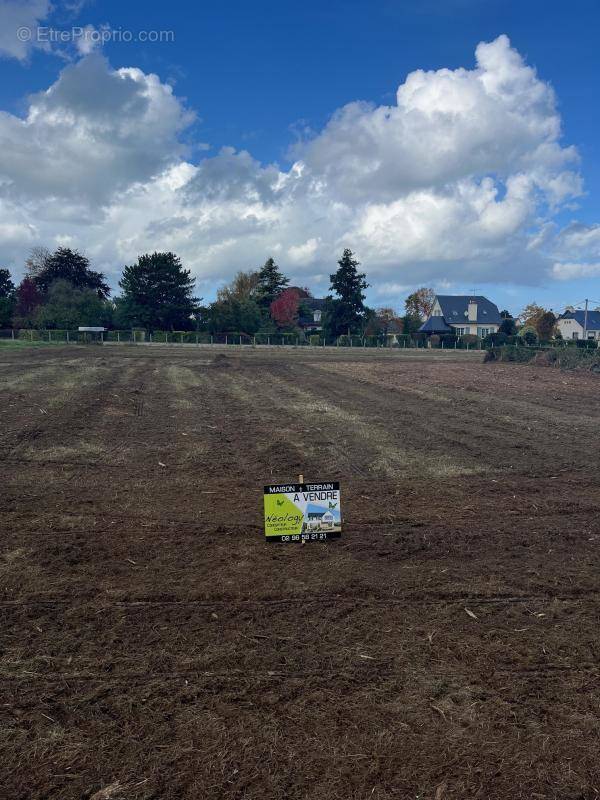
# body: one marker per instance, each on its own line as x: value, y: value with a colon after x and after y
x: 575, y: 335
x: 483, y: 332
x: 460, y: 331
x: 317, y: 316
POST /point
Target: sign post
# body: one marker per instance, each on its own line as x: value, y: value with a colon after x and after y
x: 302, y: 512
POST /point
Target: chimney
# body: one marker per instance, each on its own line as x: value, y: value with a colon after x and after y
x: 472, y: 314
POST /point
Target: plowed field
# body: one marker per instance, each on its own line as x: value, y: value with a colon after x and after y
x: 152, y: 645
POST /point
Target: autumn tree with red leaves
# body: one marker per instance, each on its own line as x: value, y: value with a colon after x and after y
x: 28, y: 298
x: 284, y: 310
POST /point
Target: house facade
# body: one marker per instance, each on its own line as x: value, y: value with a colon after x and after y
x: 461, y: 315
x: 311, y: 314
x: 573, y: 324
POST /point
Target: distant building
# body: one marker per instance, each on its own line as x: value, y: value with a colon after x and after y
x: 572, y: 324
x: 311, y: 314
x: 462, y: 314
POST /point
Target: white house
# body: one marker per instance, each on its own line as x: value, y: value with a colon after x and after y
x: 572, y: 324
x: 461, y: 315
x: 311, y: 314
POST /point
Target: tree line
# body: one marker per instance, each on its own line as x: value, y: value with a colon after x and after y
x: 60, y: 290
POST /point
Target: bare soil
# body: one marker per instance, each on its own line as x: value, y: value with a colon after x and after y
x: 152, y: 645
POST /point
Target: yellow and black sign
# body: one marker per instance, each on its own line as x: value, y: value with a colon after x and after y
x: 302, y: 512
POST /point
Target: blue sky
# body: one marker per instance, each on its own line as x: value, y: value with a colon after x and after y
x: 519, y: 223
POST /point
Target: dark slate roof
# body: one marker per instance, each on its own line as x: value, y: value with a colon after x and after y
x: 455, y: 307
x: 313, y: 303
x: 394, y: 326
x: 435, y: 325
x: 593, y: 318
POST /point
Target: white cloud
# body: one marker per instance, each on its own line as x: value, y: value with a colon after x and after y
x: 566, y: 271
x: 90, y: 39
x: 458, y: 180
x: 19, y: 20
x: 93, y: 133
x: 498, y: 118
x: 577, y: 239
x: 303, y: 253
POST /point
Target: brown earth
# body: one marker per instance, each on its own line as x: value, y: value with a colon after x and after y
x: 152, y: 645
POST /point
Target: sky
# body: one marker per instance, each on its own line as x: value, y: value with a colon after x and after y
x: 448, y: 144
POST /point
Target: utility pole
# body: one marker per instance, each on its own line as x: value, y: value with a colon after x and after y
x: 585, y: 321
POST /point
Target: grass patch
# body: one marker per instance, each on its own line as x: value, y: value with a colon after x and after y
x: 19, y: 343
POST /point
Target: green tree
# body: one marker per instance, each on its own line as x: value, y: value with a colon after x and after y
x: 66, y: 307
x: 529, y: 335
x: 411, y: 323
x: 347, y: 312
x: 7, y: 287
x: 71, y: 266
x: 270, y: 284
x: 234, y: 316
x: 7, y: 299
x: 157, y: 294
x: 508, y: 325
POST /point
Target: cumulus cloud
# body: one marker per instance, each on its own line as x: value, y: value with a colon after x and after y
x: 92, y: 134
x: 566, y: 271
x: 19, y: 20
x: 459, y: 179
x: 498, y: 118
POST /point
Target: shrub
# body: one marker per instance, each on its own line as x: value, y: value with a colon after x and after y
x: 314, y: 340
x: 29, y: 334
x: 563, y: 357
x: 529, y: 336
x: 586, y: 344
x: 496, y: 339
x: 449, y: 340
x: 520, y: 355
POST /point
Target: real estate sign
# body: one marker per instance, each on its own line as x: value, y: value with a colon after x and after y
x: 299, y: 512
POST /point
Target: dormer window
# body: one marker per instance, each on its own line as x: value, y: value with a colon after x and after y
x: 317, y: 316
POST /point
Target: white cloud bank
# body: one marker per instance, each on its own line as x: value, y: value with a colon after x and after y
x: 458, y: 180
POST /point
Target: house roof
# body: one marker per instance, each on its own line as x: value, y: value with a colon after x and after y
x: 593, y: 318
x: 313, y: 303
x: 435, y: 325
x: 394, y: 326
x: 455, y: 308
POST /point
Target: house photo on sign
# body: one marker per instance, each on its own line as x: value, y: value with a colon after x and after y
x: 302, y: 512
